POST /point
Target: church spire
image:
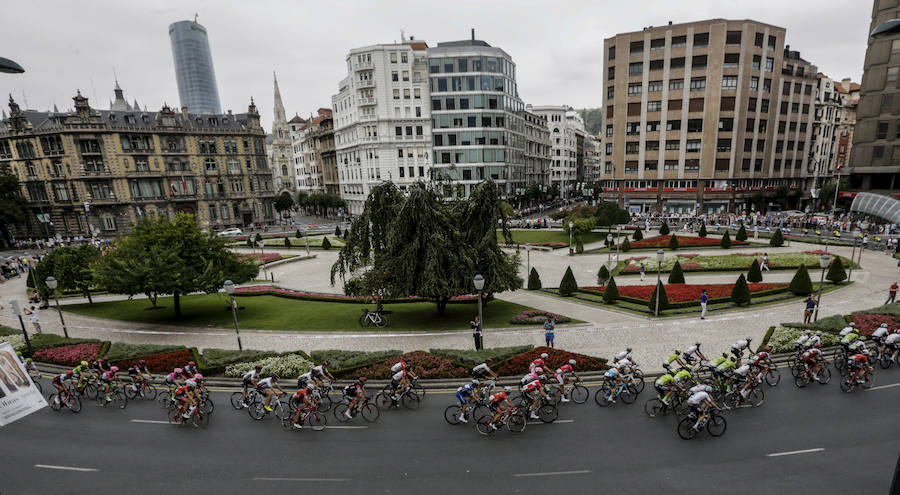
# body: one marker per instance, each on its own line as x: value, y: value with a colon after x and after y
x: 279, y: 106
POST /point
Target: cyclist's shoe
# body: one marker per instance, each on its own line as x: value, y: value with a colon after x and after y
x: 563, y: 399
x: 298, y: 426
x: 347, y: 414
x: 267, y: 408
x: 494, y: 427
x: 462, y: 418
x: 534, y: 416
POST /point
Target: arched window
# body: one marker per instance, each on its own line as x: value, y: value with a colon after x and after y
x: 284, y: 171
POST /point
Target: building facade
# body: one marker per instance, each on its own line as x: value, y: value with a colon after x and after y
x: 382, y: 120
x: 875, y: 155
x: 476, y: 118
x: 825, y: 133
x: 706, y: 116
x: 278, y: 148
x: 314, y: 154
x: 593, y: 157
x: 96, y: 172
x: 537, y: 150
x: 849, y: 95
x: 563, y: 124
x: 194, y: 70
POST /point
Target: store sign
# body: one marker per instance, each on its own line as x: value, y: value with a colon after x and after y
x: 18, y: 395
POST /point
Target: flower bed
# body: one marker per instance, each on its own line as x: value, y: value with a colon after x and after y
x: 519, y: 364
x: 686, y: 293
x: 271, y: 290
x: 662, y: 241
x: 119, y: 350
x: 287, y: 366
x: 69, y: 355
x: 422, y: 364
x: 728, y: 262
x: 16, y: 341
x: 867, y: 323
x: 473, y: 358
x: 782, y: 339
x: 162, y: 362
x: 341, y: 363
x: 536, y: 316
x: 689, y: 256
x: 260, y: 258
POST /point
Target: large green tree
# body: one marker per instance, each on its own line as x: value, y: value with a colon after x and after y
x: 284, y: 202
x: 13, y: 207
x: 162, y: 256
x: 608, y: 213
x: 71, y: 266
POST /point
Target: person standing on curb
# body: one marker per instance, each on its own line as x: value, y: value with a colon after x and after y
x: 892, y: 293
x: 643, y: 271
x: 477, y: 332
x: 35, y: 319
x: 704, y: 298
x: 765, y: 262
x: 810, y: 307
x: 549, y: 327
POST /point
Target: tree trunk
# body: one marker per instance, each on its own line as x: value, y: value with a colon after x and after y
x: 87, y: 292
x: 176, y: 298
x: 442, y: 304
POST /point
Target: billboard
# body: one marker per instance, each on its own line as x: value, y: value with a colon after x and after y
x: 18, y: 395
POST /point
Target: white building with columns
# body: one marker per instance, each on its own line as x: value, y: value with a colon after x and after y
x: 562, y: 121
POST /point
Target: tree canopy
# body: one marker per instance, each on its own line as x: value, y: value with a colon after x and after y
x: 71, y: 266
x: 284, y: 202
x: 608, y: 213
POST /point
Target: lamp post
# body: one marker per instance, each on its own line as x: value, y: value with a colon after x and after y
x: 52, y: 283
x: 229, y: 288
x: 17, y: 310
x: 479, y: 284
x: 618, y: 234
x: 571, y: 248
x: 660, y: 255
x: 262, y: 257
x: 528, y: 258
x: 609, y: 252
x: 824, y: 260
x: 852, y: 255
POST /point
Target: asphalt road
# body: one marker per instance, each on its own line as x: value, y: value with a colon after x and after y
x: 590, y: 449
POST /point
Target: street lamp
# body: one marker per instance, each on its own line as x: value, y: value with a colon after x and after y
x: 660, y: 255
x: 52, y: 284
x: 609, y: 247
x: 571, y: 249
x: 479, y: 284
x: 10, y: 67
x: 823, y: 263
x: 528, y: 257
x: 229, y: 288
x: 262, y: 257
x: 618, y: 234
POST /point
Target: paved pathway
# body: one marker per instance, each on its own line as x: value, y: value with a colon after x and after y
x: 606, y: 331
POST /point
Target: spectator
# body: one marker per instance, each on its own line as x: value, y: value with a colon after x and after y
x: 643, y: 272
x: 704, y: 298
x: 765, y: 262
x: 810, y: 307
x: 549, y: 327
x: 35, y: 319
x: 477, y: 332
x: 892, y: 293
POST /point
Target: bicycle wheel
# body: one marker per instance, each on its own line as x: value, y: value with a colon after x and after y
x: 451, y: 414
x: 773, y: 376
x: 601, y: 397
x: 150, y: 392
x: 38, y: 385
x: 798, y: 369
x: 479, y: 411
x: 629, y: 394
x: 548, y: 413
x: 200, y: 419
x: 418, y: 389
x: 870, y: 380
x: 801, y: 380
x: 236, y: 400
x: 483, y: 426
x: 846, y: 386
x: 339, y: 411
x: 885, y: 362
x: 756, y: 397
x: 73, y: 403
x: 280, y: 409
x: 91, y: 390
x: 317, y: 421
x: 731, y: 400
x: 686, y: 428
x: 364, y: 320
x: 325, y: 404
x: 716, y: 425
x: 824, y: 376
x: 173, y: 416
x: 383, y: 400
x: 55, y: 402
x: 164, y: 399
x: 256, y: 410
x: 381, y: 322
x: 130, y: 392
x: 638, y: 381
x: 516, y: 423
x: 207, y: 406
x: 410, y: 401
x: 120, y: 400
x: 579, y: 394
x: 370, y: 412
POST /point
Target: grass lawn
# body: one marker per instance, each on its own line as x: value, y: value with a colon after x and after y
x: 279, y: 313
x: 545, y: 235
x: 691, y: 263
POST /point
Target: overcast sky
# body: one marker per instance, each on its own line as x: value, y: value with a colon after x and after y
x: 557, y: 46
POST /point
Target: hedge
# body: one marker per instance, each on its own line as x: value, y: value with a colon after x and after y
x: 892, y: 309
x: 288, y: 366
x: 215, y: 360
x: 470, y: 359
x: 344, y: 363
x: 271, y: 290
x: 537, y: 317
x: 783, y: 338
x: 519, y: 364
x: 9, y: 331
x: 832, y: 324
x: 422, y: 364
x: 119, y: 350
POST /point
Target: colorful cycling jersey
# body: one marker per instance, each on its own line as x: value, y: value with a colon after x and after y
x: 397, y: 367
x: 858, y: 359
x: 813, y: 341
x: 530, y: 377
x: 880, y: 333
x: 566, y: 368
x: 190, y: 370
x: 76, y: 370
x: 466, y: 390
x: 682, y: 375
x: 172, y: 377
x: 811, y: 354
x: 850, y: 337
x: 801, y: 339
x: 182, y: 390
x: 481, y: 370
x: 498, y: 397
x: 532, y: 386
x: 353, y: 388
x: 59, y: 378
x: 698, y: 398
x: 847, y: 330
x: 763, y: 355
x: 740, y: 345
x: 726, y: 365
x: 304, y: 378
x: 664, y: 380
x: 398, y: 375
x: 743, y: 370
x: 537, y: 363
x: 301, y: 394
x: 690, y: 351
x: 857, y: 346
x: 719, y: 360
x: 191, y: 383
x: 266, y: 383
x: 107, y: 376
x: 623, y: 355
x: 318, y: 371
x: 134, y: 370
x: 623, y: 365
x: 699, y: 388
x: 251, y: 376
x: 672, y: 358
x: 892, y: 339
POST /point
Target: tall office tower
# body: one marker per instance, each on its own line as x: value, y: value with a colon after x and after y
x: 477, y: 118
x: 194, y: 67
x: 706, y: 117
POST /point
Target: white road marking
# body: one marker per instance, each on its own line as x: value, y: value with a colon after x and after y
x: 340, y: 427
x: 557, y: 421
x: 556, y: 473
x: 884, y: 386
x: 65, y: 468
x: 151, y: 421
x: 301, y: 479
x: 793, y: 452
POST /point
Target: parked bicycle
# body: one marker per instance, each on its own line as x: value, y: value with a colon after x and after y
x: 370, y: 318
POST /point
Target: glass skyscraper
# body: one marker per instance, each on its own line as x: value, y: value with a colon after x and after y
x: 194, y: 67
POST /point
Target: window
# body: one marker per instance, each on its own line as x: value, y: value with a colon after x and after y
x: 729, y: 82
x: 394, y: 59
x: 805, y: 108
x: 767, y: 85
x: 651, y: 145
x: 771, y: 42
x: 394, y: 76
x: 786, y: 88
x: 756, y: 61
x: 751, y: 105
x: 654, y: 106
x: 608, y: 167
x: 692, y: 146
x: 761, y: 145
x: 107, y: 222
x: 758, y: 42
x: 770, y: 64
x: 679, y: 41
x: 631, y: 166
x: 695, y: 125
x: 673, y: 125
x: 612, y: 53
x: 654, y: 86
x: 633, y: 129
x: 610, y: 111
x: 745, y: 165
x: 781, y: 127
x: 887, y: 100
x: 637, y: 47
x: 731, y: 60
x: 698, y: 83
x: 797, y: 88
x: 609, y: 148
x: 751, y: 124
x: 670, y: 165
x: 406, y: 94
x: 634, y: 89
x: 722, y: 164
x: 763, y: 125
x: 396, y: 94
x: 634, y: 109
x: 611, y: 73
x: 417, y: 93
x: 764, y: 107
x: 676, y: 63
x: 795, y: 107
x: 882, y: 130
x: 650, y: 166
x: 733, y: 38
x: 727, y: 104
x: 748, y: 146
x: 635, y: 68
x: 779, y: 146
x: 609, y: 130
x: 610, y: 92
x: 877, y: 151
x: 723, y: 145
x: 790, y: 145
x: 653, y: 126
x: 754, y: 83
x: 674, y: 104
x: 673, y: 145
x: 695, y: 105
x: 657, y: 44
x: 701, y: 40
x: 676, y: 84
x: 656, y: 64
x: 726, y: 125
x: 698, y: 62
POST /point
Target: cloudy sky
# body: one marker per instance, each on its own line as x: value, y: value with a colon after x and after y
x: 557, y: 46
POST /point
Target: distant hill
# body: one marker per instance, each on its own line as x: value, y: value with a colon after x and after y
x: 593, y: 120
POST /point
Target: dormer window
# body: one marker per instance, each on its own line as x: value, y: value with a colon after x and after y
x: 145, y: 118
x: 213, y: 121
x: 112, y: 117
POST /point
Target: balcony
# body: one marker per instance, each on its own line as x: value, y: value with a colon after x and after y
x: 184, y: 197
x: 148, y: 198
x: 174, y: 151
x: 95, y: 172
x: 365, y: 83
x: 143, y: 173
x: 368, y: 117
x: 364, y: 66
x: 366, y: 101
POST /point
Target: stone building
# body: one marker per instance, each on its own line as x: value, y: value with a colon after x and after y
x: 278, y: 148
x: 314, y: 155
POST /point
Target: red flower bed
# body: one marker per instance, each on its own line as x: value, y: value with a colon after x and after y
x: 632, y: 268
x: 519, y: 365
x: 265, y: 258
x: 680, y: 293
x: 691, y: 265
x: 637, y: 258
x: 536, y: 316
x: 69, y: 355
x: 867, y: 323
x: 271, y: 290
x: 687, y: 255
x: 662, y: 241
x: 162, y: 362
x: 817, y: 251
x: 422, y: 364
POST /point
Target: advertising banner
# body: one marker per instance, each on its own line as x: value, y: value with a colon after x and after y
x: 18, y: 395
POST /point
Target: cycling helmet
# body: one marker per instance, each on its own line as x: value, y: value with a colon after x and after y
x: 324, y: 363
x: 142, y: 362
x: 767, y: 348
x: 474, y: 381
x: 258, y: 367
x: 28, y: 360
x: 83, y: 363
x: 819, y: 345
x: 667, y: 367
x: 69, y: 372
x: 179, y: 370
x: 628, y: 349
x: 507, y: 389
x: 697, y: 344
x: 362, y: 379
x: 191, y: 363
x: 748, y: 338
x: 275, y: 376
x: 572, y: 362
x: 677, y: 352
x: 488, y: 361
x: 852, y: 324
x: 198, y: 376
x: 114, y: 369
x: 884, y: 325
x: 819, y: 333
x: 544, y: 355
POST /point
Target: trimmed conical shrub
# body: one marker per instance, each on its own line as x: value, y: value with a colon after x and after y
x: 287, y: 241
x: 801, y: 285
x: 741, y: 234
x: 836, y: 272
x: 258, y: 238
x: 755, y: 274
x: 676, y: 276
x: 568, y: 286
x: 740, y: 294
x: 337, y: 230
x: 663, y: 298
x: 326, y: 244
x: 534, y: 280
x: 777, y: 239
x: 626, y: 245
x: 602, y: 275
x: 637, y: 236
x: 611, y: 294
x: 726, y: 241
x: 298, y: 234
x: 702, y: 232
x: 673, y: 243
x: 664, y: 229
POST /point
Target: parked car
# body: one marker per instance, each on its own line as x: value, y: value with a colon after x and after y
x: 230, y: 232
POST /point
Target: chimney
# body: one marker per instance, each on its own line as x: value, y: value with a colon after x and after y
x: 670, y: 23
x: 473, y: 34
x: 787, y: 48
x: 229, y: 111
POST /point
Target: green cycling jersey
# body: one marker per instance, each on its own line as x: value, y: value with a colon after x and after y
x: 665, y: 380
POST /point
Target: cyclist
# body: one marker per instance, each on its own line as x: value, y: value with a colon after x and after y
x: 400, y: 381
x: 187, y: 397
x: 692, y: 354
x: 675, y: 358
x: 664, y: 386
x: 249, y: 380
x: 81, y: 374
x: 320, y: 372
x: 528, y: 391
x: 738, y: 348
x: 613, y: 378
x: 800, y: 343
x: 356, y: 392
x: 32, y: 369
x: 812, y: 358
x: 700, y: 401
x: 892, y: 341
x: 483, y: 370
x: 858, y: 364
x: 59, y: 382
x: 499, y: 402
x: 561, y: 373
x: 265, y: 387
x: 851, y: 328
x: 137, y: 373
x: 100, y: 366
x: 304, y: 379
x: 684, y: 378
x: 726, y: 367
x: 539, y: 362
x: 301, y: 398
x: 465, y: 395
x: 814, y: 340
x: 533, y: 375
x: 191, y: 369
x: 879, y: 335
x: 107, y: 379
x: 626, y: 354
x: 175, y: 379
